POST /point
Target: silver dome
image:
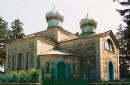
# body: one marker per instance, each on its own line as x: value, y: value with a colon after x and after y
x: 88, y: 21
x: 54, y: 14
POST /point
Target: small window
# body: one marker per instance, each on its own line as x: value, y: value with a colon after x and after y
x: 19, y: 63
x: 109, y: 45
x: 13, y: 62
x: 47, y: 67
x: 74, y: 68
x: 27, y: 59
x: 38, y: 62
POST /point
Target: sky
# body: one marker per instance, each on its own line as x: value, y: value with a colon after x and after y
x: 32, y: 13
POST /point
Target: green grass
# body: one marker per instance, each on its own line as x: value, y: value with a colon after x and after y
x: 65, y: 82
x: 112, y: 83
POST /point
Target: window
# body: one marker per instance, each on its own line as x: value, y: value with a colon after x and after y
x: 38, y: 62
x: 19, y: 63
x: 13, y: 62
x: 27, y: 59
x: 55, y: 22
x: 74, y: 68
x: 109, y: 45
x: 47, y: 67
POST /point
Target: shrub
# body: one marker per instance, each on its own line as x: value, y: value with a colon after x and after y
x: 34, y: 74
x: 23, y: 76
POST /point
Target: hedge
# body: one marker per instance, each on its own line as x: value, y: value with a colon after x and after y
x: 23, y: 76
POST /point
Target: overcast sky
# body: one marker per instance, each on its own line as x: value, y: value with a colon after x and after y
x: 32, y: 13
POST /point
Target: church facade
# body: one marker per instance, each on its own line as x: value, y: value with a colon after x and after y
x: 69, y: 56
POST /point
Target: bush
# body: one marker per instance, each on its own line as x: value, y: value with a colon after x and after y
x: 23, y: 76
x: 34, y: 74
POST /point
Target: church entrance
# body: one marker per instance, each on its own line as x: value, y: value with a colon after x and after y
x: 110, y: 71
x: 61, y: 71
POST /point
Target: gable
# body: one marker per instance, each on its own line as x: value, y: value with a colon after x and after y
x: 110, y: 35
x: 57, y: 34
x: 64, y: 35
x: 43, y: 45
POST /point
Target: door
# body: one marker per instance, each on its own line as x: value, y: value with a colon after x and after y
x: 110, y: 71
x: 61, y: 71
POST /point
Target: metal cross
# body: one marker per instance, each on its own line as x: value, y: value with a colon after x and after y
x: 54, y: 2
x: 87, y: 14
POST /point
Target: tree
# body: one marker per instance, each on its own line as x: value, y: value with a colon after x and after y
x: 4, y: 36
x: 126, y: 18
x: 7, y: 35
x: 125, y: 47
x: 17, y: 29
x: 124, y: 59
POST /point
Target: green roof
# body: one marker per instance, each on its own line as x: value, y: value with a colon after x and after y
x: 86, y: 33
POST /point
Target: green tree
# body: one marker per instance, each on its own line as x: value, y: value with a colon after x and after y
x: 125, y: 13
x: 124, y: 60
x: 17, y: 29
x: 4, y: 36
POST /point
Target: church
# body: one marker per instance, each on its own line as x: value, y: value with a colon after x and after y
x: 67, y: 55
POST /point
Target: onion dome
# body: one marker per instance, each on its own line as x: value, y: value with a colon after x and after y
x: 88, y: 26
x: 54, y: 18
x: 88, y: 21
x: 54, y: 14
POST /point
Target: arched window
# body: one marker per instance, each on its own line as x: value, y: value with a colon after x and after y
x: 38, y: 62
x: 74, y: 68
x: 27, y: 60
x: 13, y: 62
x: 19, y: 62
x: 109, y: 45
x: 47, y: 67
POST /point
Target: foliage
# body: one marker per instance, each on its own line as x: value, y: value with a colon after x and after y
x: 24, y: 76
x: 124, y: 64
x: 7, y: 35
x: 17, y: 30
x: 125, y: 39
x: 4, y: 36
x: 126, y: 18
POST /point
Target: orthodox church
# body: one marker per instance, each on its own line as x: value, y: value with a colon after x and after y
x: 67, y: 55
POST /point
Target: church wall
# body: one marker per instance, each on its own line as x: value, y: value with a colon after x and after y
x: 52, y: 34
x: 53, y: 59
x: 58, y: 34
x: 109, y: 56
x: 61, y: 36
x: 44, y: 45
x: 98, y: 59
x: 86, y: 48
x: 22, y: 46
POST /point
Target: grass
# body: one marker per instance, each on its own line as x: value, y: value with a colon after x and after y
x: 112, y: 83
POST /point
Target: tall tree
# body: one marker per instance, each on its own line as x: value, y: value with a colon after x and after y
x: 4, y: 36
x: 124, y: 59
x: 126, y: 18
x: 17, y: 29
x: 125, y: 37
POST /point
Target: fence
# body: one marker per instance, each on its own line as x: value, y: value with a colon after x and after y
x: 68, y: 81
